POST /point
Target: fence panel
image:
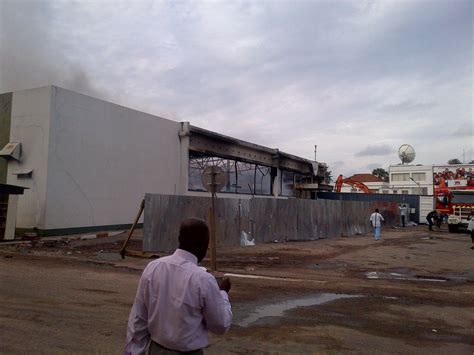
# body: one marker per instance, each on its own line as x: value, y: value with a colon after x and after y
x: 265, y: 219
x: 163, y: 216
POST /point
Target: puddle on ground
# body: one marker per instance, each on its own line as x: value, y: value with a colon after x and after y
x: 247, y: 276
x: 278, y: 309
x: 398, y: 276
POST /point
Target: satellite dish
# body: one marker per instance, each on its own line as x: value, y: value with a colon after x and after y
x: 213, y: 178
x: 406, y: 153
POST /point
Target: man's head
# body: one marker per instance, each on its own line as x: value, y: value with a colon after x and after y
x: 377, y: 210
x: 194, y: 237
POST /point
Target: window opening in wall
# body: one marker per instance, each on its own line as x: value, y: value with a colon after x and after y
x: 420, y: 191
x: 288, y: 181
x: 242, y: 177
x: 400, y: 177
x: 419, y: 176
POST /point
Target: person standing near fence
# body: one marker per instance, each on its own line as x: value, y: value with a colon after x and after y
x: 376, y: 220
x: 403, y: 215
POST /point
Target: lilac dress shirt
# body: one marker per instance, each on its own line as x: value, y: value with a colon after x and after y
x: 177, y: 302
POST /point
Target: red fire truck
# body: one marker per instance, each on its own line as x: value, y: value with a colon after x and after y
x: 457, y: 204
x: 454, y: 193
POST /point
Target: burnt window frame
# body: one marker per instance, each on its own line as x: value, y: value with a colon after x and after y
x: 237, y: 168
x: 298, y: 178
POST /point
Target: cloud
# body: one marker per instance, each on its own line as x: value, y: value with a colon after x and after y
x: 30, y: 58
x: 375, y: 150
x: 282, y: 74
x: 406, y: 106
x: 464, y: 130
x: 373, y: 166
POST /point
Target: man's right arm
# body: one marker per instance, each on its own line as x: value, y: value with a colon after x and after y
x: 217, y: 310
x: 138, y: 335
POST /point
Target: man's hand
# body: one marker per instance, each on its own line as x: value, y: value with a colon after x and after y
x: 224, y: 284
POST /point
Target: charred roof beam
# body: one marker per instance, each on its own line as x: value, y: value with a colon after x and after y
x: 212, y: 143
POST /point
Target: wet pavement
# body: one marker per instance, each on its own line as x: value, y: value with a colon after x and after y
x: 279, y: 309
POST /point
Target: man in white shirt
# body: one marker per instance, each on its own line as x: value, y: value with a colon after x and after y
x: 403, y: 214
x: 177, y: 302
x: 470, y: 227
x: 376, y: 219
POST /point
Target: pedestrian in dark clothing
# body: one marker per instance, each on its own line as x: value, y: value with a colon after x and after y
x: 431, y: 218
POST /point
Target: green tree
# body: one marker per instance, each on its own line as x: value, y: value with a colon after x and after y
x: 454, y: 161
x: 381, y: 173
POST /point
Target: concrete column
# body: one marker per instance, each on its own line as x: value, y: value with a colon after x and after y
x: 276, y: 184
x: 182, y: 184
x: 11, y: 217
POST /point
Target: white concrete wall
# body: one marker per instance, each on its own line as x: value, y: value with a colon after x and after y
x: 410, y: 185
x: 11, y: 217
x: 103, y: 158
x: 427, y: 204
x: 30, y: 126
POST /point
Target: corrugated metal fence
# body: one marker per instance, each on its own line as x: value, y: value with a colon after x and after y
x: 266, y: 219
x: 412, y: 200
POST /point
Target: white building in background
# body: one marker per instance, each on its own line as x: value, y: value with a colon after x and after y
x: 424, y: 179
x: 88, y: 163
x: 411, y: 179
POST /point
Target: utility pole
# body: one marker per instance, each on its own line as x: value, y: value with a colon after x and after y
x: 315, y: 151
x: 213, y: 179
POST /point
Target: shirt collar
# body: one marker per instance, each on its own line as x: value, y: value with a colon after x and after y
x: 186, y: 255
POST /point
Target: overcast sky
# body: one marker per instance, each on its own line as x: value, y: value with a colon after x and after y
x: 357, y: 78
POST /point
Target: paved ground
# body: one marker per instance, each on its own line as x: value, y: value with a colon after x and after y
x: 315, y: 297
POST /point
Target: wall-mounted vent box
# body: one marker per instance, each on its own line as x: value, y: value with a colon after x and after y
x: 24, y: 174
x: 11, y: 151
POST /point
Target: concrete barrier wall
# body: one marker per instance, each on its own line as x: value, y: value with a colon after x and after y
x: 265, y: 219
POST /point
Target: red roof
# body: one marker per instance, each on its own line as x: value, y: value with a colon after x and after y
x: 366, y: 178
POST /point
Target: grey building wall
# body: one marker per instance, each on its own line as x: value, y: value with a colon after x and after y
x: 5, y: 122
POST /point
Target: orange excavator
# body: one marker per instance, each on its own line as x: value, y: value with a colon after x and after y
x: 340, y: 180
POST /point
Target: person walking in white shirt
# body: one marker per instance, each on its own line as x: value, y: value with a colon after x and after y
x: 178, y: 302
x: 470, y: 227
x: 376, y: 219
